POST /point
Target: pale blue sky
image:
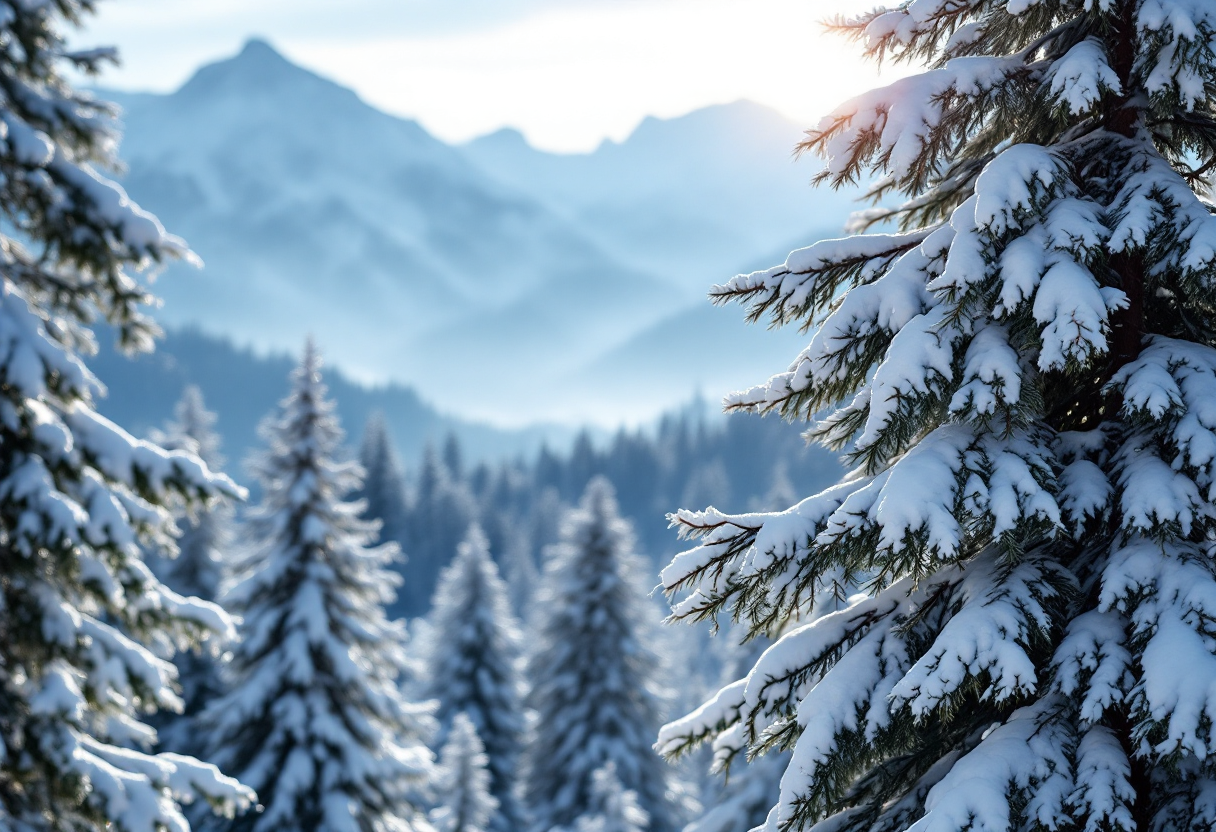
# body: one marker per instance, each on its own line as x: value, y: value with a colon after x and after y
x: 567, y: 72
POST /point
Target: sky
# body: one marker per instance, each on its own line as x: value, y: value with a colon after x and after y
x: 568, y: 73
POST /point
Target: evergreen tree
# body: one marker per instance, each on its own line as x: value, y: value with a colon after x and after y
x: 1025, y: 380
x: 545, y: 519
x: 313, y: 717
x: 383, y: 488
x: 79, y: 607
x: 522, y: 576
x: 743, y: 801
x: 707, y: 485
x: 205, y: 535
x: 453, y: 457
x: 473, y: 659
x: 592, y: 673
x: 198, y: 569
x: 612, y: 807
x: 463, y: 782
x: 439, y: 518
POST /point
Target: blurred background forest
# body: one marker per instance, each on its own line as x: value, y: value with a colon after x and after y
x: 518, y: 346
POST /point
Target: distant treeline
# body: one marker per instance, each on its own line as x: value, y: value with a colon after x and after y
x: 740, y: 461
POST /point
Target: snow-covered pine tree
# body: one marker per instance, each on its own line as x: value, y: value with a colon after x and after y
x: 79, y: 495
x: 472, y: 667
x: 742, y: 800
x: 313, y: 716
x: 1025, y: 379
x: 193, y: 428
x: 198, y: 569
x: 463, y: 782
x: 591, y: 674
x: 612, y: 807
x: 383, y: 481
x: 440, y: 516
x: 520, y: 572
x: 453, y: 457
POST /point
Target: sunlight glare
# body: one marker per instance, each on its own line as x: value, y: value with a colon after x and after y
x: 567, y: 78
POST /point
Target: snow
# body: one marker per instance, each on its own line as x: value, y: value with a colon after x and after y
x: 1075, y: 311
x: 1154, y: 494
x: 722, y: 559
x: 917, y: 494
x: 904, y: 25
x: 1085, y: 492
x: 131, y: 230
x: 900, y: 116
x: 1103, y: 787
x: 31, y: 148
x: 986, y: 637
x: 1184, y: 24
x: 60, y: 695
x: 1082, y: 75
x: 1174, y: 382
x: 799, y: 280
x: 992, y: 373
x: 1029, y: 749
x: 851, y: 699
x: 918, y: 363
x: 1012, y: 186
x: 719, y: 713
x: 1184, y: 701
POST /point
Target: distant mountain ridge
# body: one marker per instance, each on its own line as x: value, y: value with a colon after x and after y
x: 242, y: 387
x: 485, y: 275
x: 688, y: 198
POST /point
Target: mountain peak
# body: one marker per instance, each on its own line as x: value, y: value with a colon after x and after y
x: 258, y: 49
x: 504, y: 139
x: 257, y: 68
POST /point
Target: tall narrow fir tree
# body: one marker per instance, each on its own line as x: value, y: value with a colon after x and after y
x: 313, y: 716
x: 1023, y: 376
x: 383, y: 490
x: 463, y: 782
x: 592, y: 674
x: 439, y: 517
x: 78, y: 495
x: 739, y: 792
x: 198, y: 569
x: 612, y: 807
x: 472, y: 657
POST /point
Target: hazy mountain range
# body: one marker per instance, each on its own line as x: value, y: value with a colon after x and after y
x: 502, y: 282
x: 242, y: 387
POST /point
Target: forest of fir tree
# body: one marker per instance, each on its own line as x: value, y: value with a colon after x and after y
x: 471, y: 653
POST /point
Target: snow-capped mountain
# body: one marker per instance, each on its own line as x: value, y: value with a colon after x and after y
x: 484, y: 275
